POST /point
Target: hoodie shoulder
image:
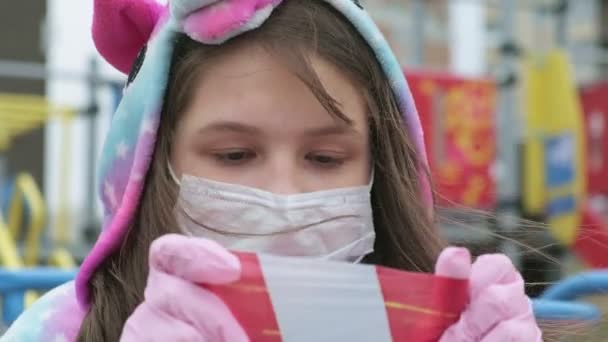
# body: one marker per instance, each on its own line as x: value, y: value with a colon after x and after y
x: 56, y: 316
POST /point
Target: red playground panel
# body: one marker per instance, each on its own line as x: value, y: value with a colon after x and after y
x: 595, y: 106
x: 591, y: 243
x: 458, y: 117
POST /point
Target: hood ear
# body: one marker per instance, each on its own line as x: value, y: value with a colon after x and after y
x: 121, y: 28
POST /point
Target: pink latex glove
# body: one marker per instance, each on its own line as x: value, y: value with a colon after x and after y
x: 499, y: 310
x: 175, y: 308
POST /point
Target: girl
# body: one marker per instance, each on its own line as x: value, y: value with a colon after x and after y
x: 236, y: 113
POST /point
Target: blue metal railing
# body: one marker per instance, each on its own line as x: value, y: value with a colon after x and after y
x: 558, y: 302
x: 14, y: 284
x: 583, y: 284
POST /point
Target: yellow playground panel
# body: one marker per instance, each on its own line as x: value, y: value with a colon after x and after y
x: 554, y: 153
x: 26, y: 191
x: 9, y: 254
x: 20, y: 114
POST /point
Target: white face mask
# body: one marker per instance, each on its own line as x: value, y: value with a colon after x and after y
x: 334, y: 224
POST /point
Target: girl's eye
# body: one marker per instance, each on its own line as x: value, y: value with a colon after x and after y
x: 324, y: 160
x: 234, y: 157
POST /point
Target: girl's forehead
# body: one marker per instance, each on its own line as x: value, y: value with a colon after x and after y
x: 254, y: 87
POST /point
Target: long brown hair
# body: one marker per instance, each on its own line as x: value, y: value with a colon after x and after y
x: 406, y: 235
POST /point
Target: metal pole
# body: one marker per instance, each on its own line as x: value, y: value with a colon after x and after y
x: 38, y: 71
x: 508, y: 128
x: 561, y: 32
x: 603, y: 39
x: 3, y: 171
x: 92, y: 226
x: 418, y: 32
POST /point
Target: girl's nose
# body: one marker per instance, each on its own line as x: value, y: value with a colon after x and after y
x: 283, y: 177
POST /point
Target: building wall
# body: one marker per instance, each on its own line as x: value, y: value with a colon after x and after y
x: 20, y: 34
x: 536, y: 32
x: 396, y: 18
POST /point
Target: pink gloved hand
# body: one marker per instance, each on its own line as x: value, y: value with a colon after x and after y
x: 176, y: 307
x: 499, y: 309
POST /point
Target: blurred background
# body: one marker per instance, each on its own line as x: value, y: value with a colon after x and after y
x: 513, y: 95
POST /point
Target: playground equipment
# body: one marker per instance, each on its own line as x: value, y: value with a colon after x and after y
x: 94, y: 81
x: 461, y: 125
x: 25, y: 192
x: 554, y: 154
x: 594, y: 99
x: 26, y: 202
x: 26, y: 205
x: 592, y: 245
x: 9, y: 255
x: 556, y: 158
x: 19, y: 114
x: 458, y: 116
x: 552, y: 162
x: 22, y: 113
x: 23, y: 214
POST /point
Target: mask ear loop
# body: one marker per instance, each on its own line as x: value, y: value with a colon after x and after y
x: 172, y: 174
x: 371, y: 177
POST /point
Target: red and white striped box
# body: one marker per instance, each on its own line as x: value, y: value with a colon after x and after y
x: 297, y: 299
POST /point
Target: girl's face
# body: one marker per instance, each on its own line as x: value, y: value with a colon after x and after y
x: 252, y: 122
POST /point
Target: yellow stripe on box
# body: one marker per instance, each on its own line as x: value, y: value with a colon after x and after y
x: 248, y: 288
x: 414, y: 308
x: 269, y: 332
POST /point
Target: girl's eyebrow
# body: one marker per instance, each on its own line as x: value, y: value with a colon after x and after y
x: 230, y: 126
x: 337, y: 129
